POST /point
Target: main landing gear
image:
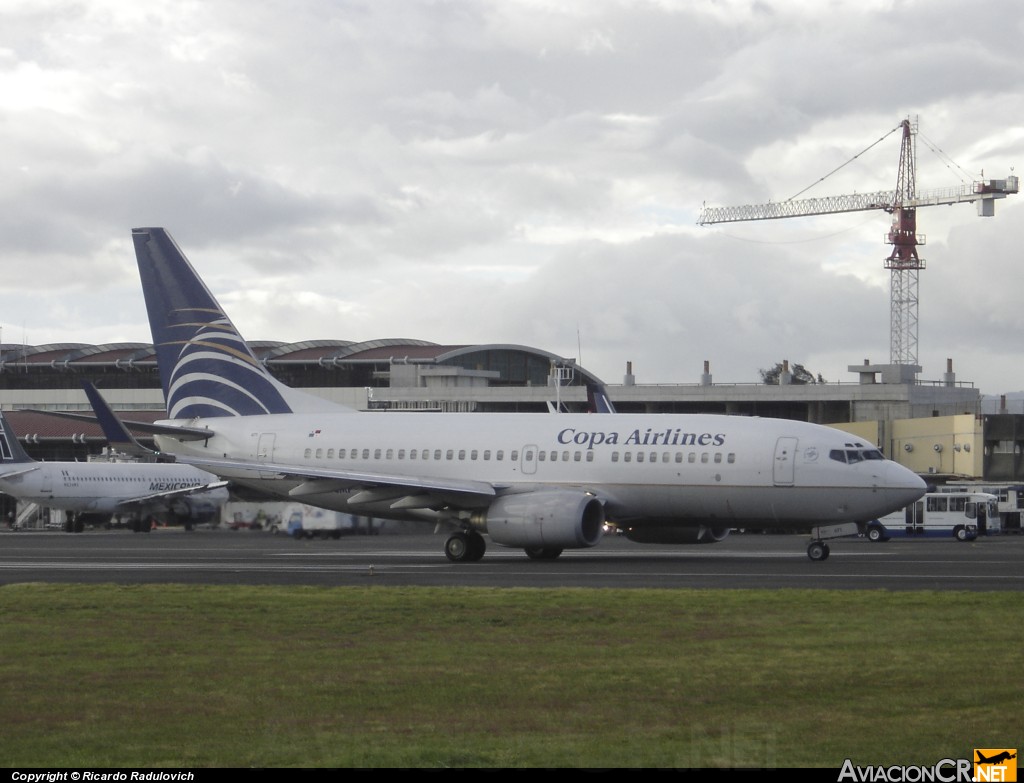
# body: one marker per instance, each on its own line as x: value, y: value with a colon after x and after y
x: 465, y: 546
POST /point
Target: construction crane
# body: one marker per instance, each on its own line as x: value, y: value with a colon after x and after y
x: 902, y: 203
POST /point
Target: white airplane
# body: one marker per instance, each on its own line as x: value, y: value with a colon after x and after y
x: 100, y: 489
x: 541, y: 482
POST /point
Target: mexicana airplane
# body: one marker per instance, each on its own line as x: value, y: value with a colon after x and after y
x: 540, y: 482
x: 102, y: 488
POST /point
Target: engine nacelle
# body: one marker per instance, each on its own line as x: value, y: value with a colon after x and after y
x: 552, y: 519
x: 194, y: 509
x: 675, y: 534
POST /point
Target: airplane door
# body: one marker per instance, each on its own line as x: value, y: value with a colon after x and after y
x: 784, y: 468
x: 528, y: 460
x: 265, y: 450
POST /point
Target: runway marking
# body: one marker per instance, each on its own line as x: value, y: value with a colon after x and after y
x: 463, y: 572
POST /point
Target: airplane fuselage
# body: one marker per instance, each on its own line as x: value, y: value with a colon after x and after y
x: 724, y: 470
x: 100, y: 487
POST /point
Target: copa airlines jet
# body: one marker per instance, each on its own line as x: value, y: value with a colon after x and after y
x: 541, y: 482
x: 135, y: 489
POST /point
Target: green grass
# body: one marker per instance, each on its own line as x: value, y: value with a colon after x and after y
x: 182, y: 676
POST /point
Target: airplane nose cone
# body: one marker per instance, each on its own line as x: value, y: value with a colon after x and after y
x: 905, y: 482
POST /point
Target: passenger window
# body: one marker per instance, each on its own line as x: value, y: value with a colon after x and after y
x: 366, y: 453
x: 319, y: 453
x: 341, y: 453
x: 542, y: 456
x: 500, y: 455
x: 462, y: 454
x: 472, y: 454
x: 626, y: 455
x: 449, y: 454
x: 692, y: 457
x: 390, y: 454
x: 487, y: 454
x: 590, y: 456
x: 704, y: 457
x: 718, y: 457
x: 528, y: 455
x: 576, y: 456
x: 615, y: 455
x: 307, y: 453
x: 376, y: 453
x: 639, y: 456
x: 437, y: 453
x: 513, y: 455
x: 330, y: 453
x: 401, y: 453
x: 732, y: 458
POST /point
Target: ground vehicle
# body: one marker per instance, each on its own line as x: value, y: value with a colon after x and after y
x: 961, y: 515
x: 311, y: 522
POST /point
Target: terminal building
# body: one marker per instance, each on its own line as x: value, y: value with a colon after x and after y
x: 937, y: 428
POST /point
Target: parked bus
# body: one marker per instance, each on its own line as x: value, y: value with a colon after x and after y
x: 1010, y: 501
x: 960, y: 515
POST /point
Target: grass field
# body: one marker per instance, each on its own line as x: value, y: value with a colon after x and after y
x: 184, y: 676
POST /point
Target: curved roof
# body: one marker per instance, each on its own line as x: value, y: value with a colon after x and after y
x: 319, y: 352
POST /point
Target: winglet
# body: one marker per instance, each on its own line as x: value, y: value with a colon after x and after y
x: 114, y: 430
x: 598, y: 400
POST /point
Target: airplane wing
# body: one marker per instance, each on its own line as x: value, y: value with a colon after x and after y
x: 173, y: 493
x: 317, y: 481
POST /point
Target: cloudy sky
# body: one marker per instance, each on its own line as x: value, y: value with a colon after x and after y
x: 517, y: 171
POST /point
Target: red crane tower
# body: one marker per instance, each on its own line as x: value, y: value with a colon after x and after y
x: 902, y: 204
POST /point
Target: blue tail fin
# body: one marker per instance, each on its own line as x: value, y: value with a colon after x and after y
x: 206, y: 368
x: 11, y: 452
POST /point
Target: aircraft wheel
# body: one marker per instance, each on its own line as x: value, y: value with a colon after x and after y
x: 542, y: 553
x: 457, y: 548
x: 818, y: 551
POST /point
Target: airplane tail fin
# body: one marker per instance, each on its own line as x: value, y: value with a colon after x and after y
x: 206, y: 368
x: 11, y: 452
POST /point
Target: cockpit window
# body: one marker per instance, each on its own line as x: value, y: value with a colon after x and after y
x: 852, y: 456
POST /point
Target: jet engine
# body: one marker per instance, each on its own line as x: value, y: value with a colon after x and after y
x: 673, y: 534
x: 193, y: 510
x: 549, y: 519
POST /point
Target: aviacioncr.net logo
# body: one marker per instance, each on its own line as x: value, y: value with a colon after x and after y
x: 995, y: 764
